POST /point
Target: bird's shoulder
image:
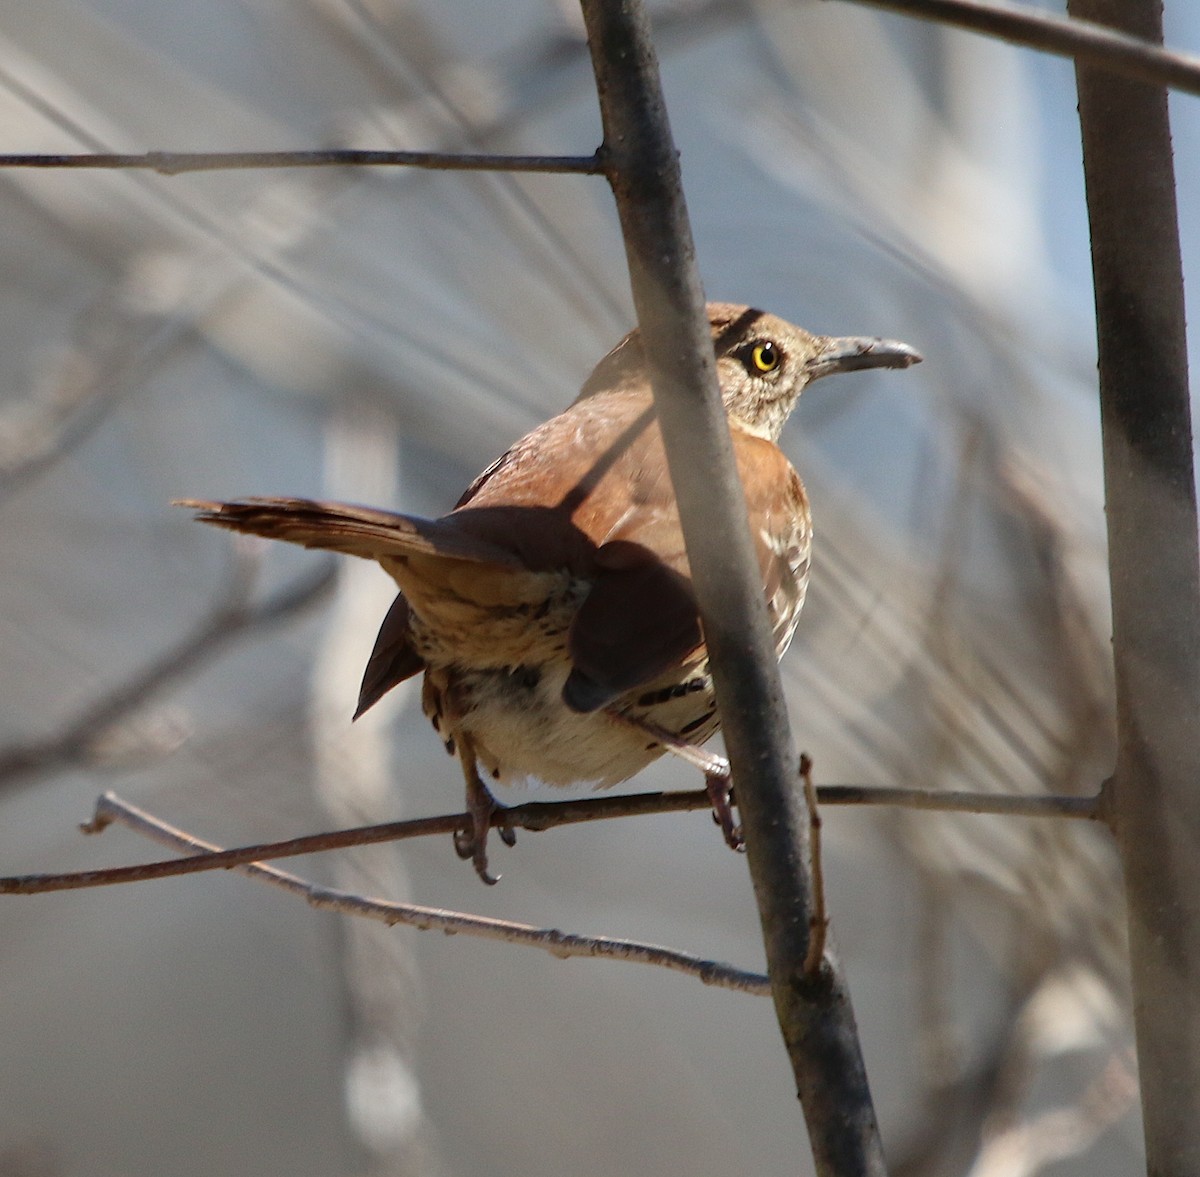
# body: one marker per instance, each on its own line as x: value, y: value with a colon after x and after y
x: 576, y: 480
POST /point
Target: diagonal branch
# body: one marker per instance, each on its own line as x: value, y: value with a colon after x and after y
x: 561, y: 944
x: 232, y: 618
x: 813, y: 1006
x: 1086, y: 41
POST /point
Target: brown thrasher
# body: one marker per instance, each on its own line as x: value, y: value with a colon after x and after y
x: 552, y: 610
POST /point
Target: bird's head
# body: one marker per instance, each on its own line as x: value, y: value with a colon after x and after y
x: 764, y: 363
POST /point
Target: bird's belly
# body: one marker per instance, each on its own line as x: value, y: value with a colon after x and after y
x: 519, y: 728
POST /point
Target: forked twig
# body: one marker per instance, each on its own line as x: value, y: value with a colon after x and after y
x: 557, y: 943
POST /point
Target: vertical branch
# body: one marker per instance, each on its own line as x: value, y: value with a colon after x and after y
x: 1154, y: 801
x: 813, y: 1007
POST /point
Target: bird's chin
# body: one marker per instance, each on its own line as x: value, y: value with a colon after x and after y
x: 768, y: 416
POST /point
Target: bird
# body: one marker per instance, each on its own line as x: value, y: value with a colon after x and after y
x: 551, y: 610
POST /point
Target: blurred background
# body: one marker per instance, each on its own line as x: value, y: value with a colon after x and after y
x: 380, y: 336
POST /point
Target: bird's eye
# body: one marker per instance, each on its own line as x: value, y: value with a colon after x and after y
x: 764, y: 357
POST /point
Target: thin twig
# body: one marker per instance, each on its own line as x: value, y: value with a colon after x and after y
x: 819, y: 924
x: 1013, y: 1144
x: 1085, y: 41
x: 534, y: 815
x: 998, y: 804
x: 172, y: 163
x: 557, y: 943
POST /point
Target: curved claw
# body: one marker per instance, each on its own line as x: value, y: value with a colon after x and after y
x: 471, y: 841
x: 720, y: 791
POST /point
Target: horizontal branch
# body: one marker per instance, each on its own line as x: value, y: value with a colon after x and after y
x: 172, y: 163
x: 552, y: 940
x: 998, y: 804
x: 1085, y: 41
x: 535, y: 815
x: 1081, y: 40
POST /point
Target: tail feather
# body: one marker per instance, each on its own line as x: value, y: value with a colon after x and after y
x: 347, y: 528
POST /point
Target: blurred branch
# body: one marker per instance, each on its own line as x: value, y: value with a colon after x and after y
x: 173, y: 163
x: 1088, y: 42
x: 533, y: 816
x: 232, y: 618
x: 557, y: 943
x: 1023, y: 1147
x: 39, y: 430
x: 1154, y: 567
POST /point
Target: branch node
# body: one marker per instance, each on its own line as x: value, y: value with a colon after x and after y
x: 102, y: 816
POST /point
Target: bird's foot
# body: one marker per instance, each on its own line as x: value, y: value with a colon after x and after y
x: 717, y: 778
x: 471, y: 841
x: 720, y: 793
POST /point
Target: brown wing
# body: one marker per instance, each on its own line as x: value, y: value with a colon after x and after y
x: 392, y: 660
x: 640, y: 620
x: 588, y: 491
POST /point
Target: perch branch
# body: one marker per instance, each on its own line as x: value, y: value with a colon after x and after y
x: 535, y: 816
x: 561, y: 944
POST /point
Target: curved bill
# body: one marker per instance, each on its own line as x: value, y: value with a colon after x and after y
x: 860, y: 351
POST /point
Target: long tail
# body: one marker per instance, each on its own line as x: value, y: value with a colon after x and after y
x: 344, y: 527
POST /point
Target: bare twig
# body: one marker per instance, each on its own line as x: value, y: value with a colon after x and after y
x: 1088, y: 808
x: 557, y: 943
x: 233, y: 617
x: 173, y: 163
x: 1086, y: 41
x: 535, y: 816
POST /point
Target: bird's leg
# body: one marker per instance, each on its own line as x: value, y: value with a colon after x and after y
x: 720, y: 793
x: 471, y: 842
x: 717, y: 778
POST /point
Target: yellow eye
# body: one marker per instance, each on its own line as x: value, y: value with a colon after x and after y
x: 765, y: 357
